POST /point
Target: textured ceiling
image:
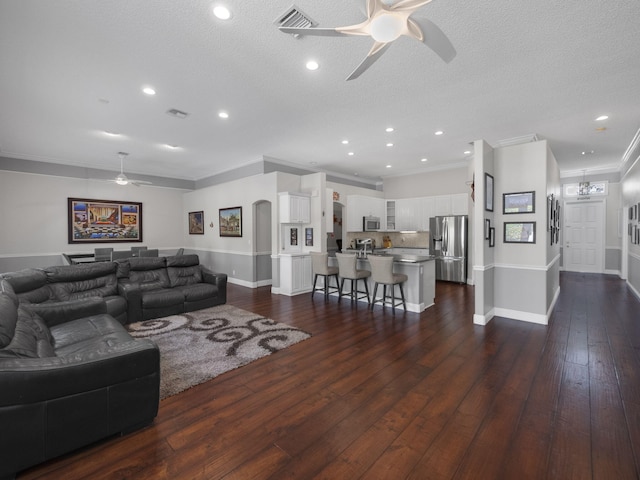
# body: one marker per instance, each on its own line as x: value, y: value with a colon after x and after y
x: 72, y: 69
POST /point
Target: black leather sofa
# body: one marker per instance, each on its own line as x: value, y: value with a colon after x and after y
x: 70, y: 283
x: 157, y: 287
x: 70, y: 375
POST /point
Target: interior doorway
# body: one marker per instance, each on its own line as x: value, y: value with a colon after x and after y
x: 262, y: 226
x: 584, y: 224
x: 335, y: 238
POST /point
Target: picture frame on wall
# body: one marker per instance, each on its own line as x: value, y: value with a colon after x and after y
x: 196, y: 223
x: 103, y: 221
x: 492, y: 237
x: 308, y: 237
x: 293, y: 236
x: 519, y: 202
x: 519, y: 232
x: 230, y: 220
x: 488, y: 192
x: 487, y: 228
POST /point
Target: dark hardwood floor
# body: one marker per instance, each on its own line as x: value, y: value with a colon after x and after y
x: 374, y: 395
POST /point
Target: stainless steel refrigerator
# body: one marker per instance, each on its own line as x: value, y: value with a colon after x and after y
x: 449, y: 245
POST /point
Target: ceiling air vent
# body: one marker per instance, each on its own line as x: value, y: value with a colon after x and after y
x: 174, y: 112
x: 294, y: 17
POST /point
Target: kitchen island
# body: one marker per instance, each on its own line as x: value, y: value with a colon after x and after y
x: 420, y: 287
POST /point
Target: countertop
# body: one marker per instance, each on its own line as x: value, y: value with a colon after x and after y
x: 403, y: 258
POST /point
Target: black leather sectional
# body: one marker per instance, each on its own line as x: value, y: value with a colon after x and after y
x: 70, y: 373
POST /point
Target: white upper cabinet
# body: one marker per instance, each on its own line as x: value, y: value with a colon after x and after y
x: 295, y: 208
x: 359, y: 206
x: 414, y: 213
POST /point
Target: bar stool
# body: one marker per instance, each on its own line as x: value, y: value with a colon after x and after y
x: 320, y: 265
x: 347, y: 270
x: 382, y: 273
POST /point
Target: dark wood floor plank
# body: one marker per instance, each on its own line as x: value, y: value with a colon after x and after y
x: 377, y: 395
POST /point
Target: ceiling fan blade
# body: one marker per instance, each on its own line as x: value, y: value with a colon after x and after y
x: 431, y: 35
x: 321, y: 32
x: 404, y: 5
x: 374, y: 54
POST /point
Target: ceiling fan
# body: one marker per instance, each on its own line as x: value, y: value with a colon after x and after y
x: 386, y: 21
x: 122, y: 179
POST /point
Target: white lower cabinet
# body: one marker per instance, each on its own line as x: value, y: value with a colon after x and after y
x: 295, y: 274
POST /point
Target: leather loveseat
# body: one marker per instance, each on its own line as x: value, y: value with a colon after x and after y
x: 69, y: 375
x: 160, y: 286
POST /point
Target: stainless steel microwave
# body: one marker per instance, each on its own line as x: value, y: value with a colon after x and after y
x: 370, y: 224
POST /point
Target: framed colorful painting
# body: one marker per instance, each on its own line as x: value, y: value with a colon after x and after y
x: 103, y: 221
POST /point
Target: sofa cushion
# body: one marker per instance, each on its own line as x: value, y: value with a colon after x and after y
x: 74, y: 273
x: 8, y: 313
x: 30, y: 285
x: 137, y: 264
x: 162, y: 298
x: 103, y: 286
x: 31, y: 339
x: 183, y: 261
x: 197, y: 292
x: 88, y: 335
x: 181, y: 276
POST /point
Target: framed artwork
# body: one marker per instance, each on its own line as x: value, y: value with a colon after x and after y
x: 519, y: 232
x: 293, y: 236
x: 230, y: 220
x: 103, y: 221
x: 487, y: 227
x: 492, y: 237
x: 308, y: 237
x: 196, y: 223
x: 521, y: 202
x: 488, y: 192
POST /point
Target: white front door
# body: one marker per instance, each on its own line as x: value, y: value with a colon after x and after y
x: 584, y: 236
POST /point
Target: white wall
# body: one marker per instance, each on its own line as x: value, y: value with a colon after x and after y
x: 630, y: 189
x: 441, y: 182
x: 33, y: 213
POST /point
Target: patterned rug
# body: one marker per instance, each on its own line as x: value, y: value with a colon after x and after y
x: 198, y: 346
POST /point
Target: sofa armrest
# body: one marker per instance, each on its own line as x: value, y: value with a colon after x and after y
x: 217, y: 279
x: 30, y: 380
x: 55, y: 313
x: 133, y: 295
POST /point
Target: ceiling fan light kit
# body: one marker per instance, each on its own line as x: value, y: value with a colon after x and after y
x: 387, y: 21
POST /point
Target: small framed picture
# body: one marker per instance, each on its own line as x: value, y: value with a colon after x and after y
x: 488, y: 192
x: 521, y: 202
x: 519, y: 232
x: 308, y: 237
x: 293, y: 236
x: 487, y: 227
x: 492, y: 237
x: 196, y: 223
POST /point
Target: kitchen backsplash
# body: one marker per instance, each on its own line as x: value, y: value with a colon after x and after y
x: 398, y: 239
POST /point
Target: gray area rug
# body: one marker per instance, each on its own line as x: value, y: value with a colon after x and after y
x: 198, y: 346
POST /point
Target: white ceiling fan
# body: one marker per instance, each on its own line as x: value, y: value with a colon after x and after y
x: 122, y: 179
x: 386, y: 21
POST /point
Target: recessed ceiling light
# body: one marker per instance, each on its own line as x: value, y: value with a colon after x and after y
x: 439, y: 132
x: 389, y: 129
x: 388, y: 166
x: 148, y: 91
x: 312, y: 65
x: 223, y: 114
x: 588, y: 152
x: 221, y: 12
x: 351, y: 154
x: 602, y: 117
x: 423, y: 160
x: 171, y: 147
x: 389, y: 144
x: 345, y: 142
x: 467, y: 152
x: 111, y: 134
